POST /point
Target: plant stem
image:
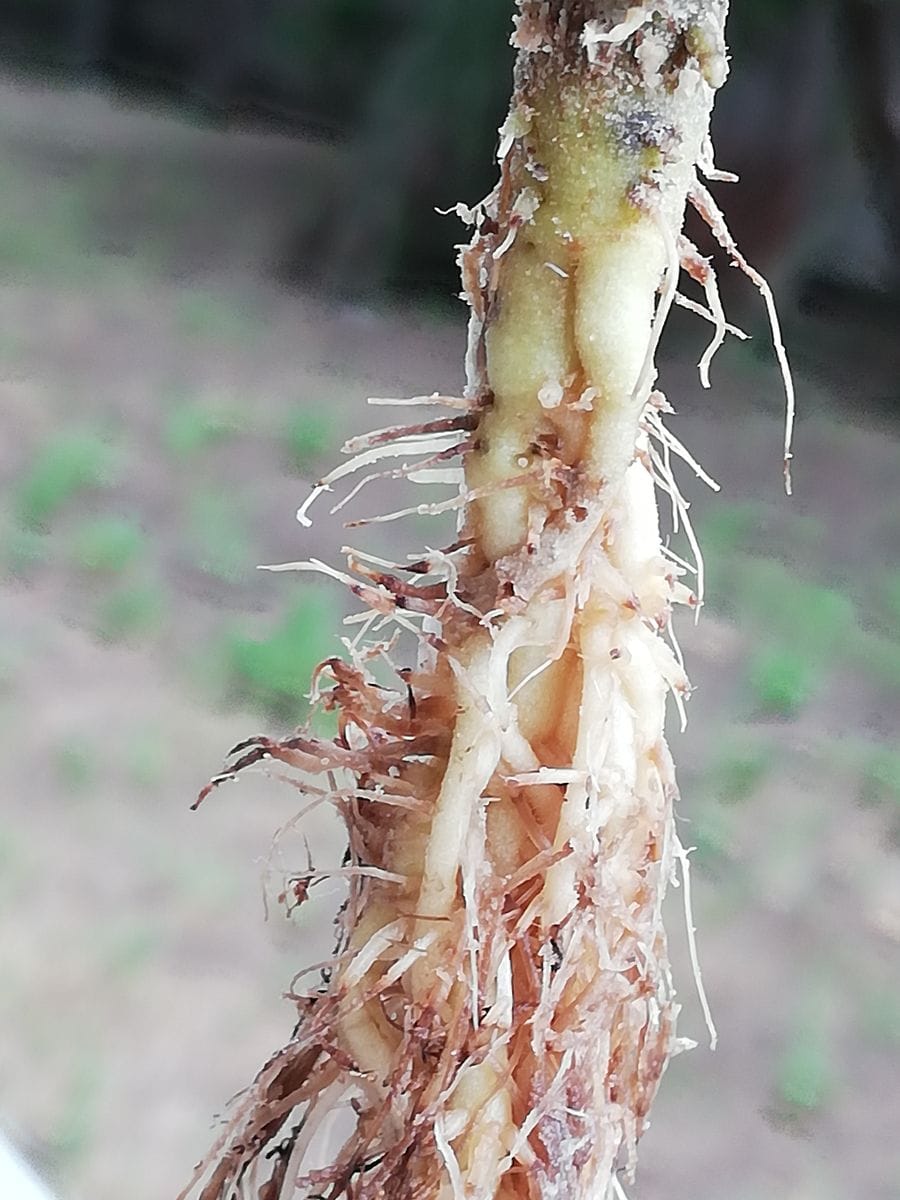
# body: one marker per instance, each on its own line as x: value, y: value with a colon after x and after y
x: 500, y: 1009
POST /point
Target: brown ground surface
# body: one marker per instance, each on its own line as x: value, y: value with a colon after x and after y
x: 139, y: 984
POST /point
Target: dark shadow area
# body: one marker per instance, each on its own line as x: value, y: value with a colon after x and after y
x: 403, y: 101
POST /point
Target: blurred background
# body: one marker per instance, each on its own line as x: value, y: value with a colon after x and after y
x: 217, y: 238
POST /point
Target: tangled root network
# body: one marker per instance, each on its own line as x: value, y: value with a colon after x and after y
x: 499, y: 1008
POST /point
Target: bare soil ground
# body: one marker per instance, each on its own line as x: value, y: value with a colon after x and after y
x: 139, y: 983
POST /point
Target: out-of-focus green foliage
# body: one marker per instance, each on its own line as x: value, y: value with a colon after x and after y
x: 193, y: 426
x: 108, y: 543
x: 740, y: 769
x: 68, y: 464
x: 881, y: 1015
x: 76, y: 765
x: 781, y: 681
x: 23, y: 549
x: 881, y: 776
x: 892, y: 594
x: 71, y: 1137
x: 710, y: 834
x: 219, y: 540
x: 802, y: 631
x: 146, y: 759
x: 273, y: 673
x: 308, y: 436
x: 804, y: 1074
x: 126, y: 949
x: 130, y: 611
x: 203, y: 313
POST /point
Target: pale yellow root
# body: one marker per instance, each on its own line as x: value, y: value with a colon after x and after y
x: 569, y: 359
x: 500, y: 1008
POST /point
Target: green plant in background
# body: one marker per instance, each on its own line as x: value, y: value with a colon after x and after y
x: 799, y: 627
x: 878, y: 655
x: 218, y: 537
x: 131, y: 611
x: 205, y: 313
x: 108, y: 544
x: 802, y: 629
x: 735, y: 775
x: 803, y: 531
x: 193, y: 426
x: 731, y: 779
x: 273, y: 673
x: 146, y: 759
x: 71, y: 1137
x: 201, y: 882
x: 44, y: 233
x: 892, y: 594
x: 804, y: 1072
x: 880, y: 776
x: 730, y: 532
x: 881, y: 1015
x: 727, y: 528
x: 308, y: 435
x: 76, y: 764
x: 711, y: 832
x: 869, y: 772
x: 328, y: 47
x: 127, y: 948
x: 71, y: 462
x: 781, y: 681
x: 23, y: 549
x: 793, y: 609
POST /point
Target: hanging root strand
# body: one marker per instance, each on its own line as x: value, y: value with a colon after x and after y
x: 705, y: 205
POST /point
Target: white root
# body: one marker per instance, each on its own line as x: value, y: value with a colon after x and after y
x: 669, y: 291
x: 683, y: 857
x: 418, y: 472
x: 671, y: 442
x: 450, y: 1161
x: 698, y: 309
x: 706, y: 206
x: 617, y: 1188
x: 707, y: 164
x: 434, y: 509
x: 700, y: 269
x: 426, y: 444
x: 311, y: 1127
x: 436, y: 399
x: 474, y: 755
x: 594, y: 35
